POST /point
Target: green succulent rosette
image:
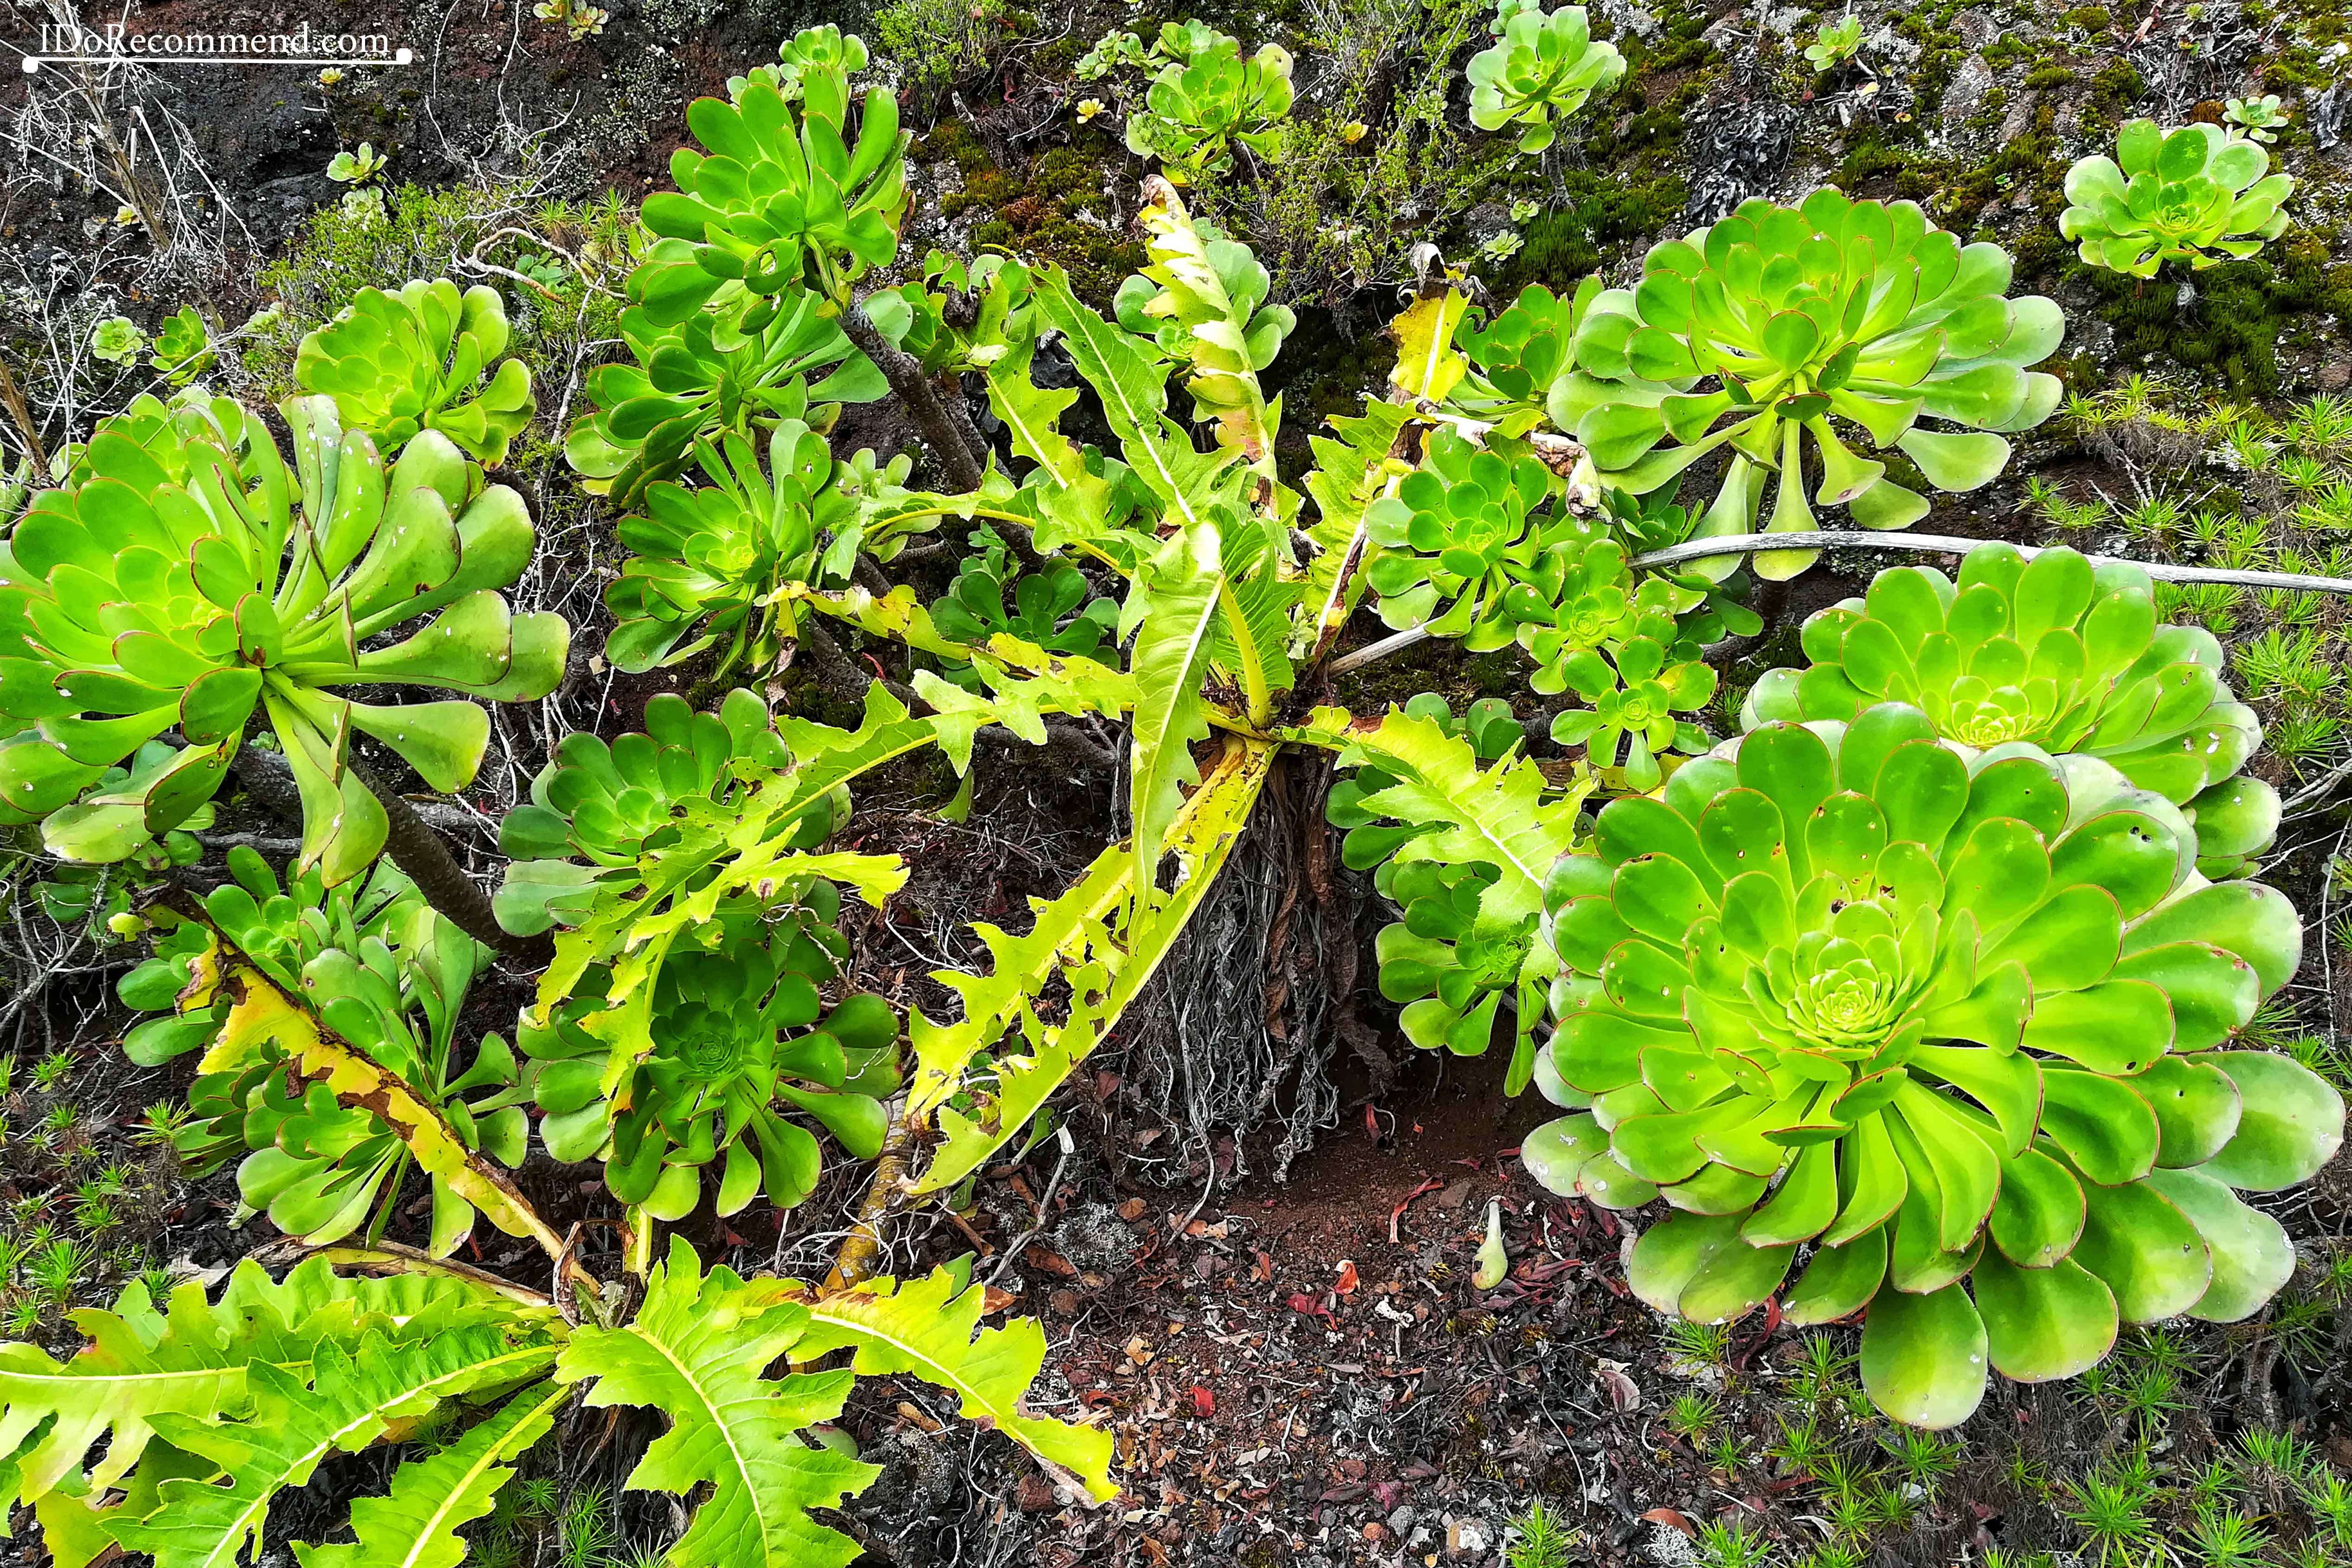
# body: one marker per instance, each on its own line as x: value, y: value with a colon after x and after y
x: 2195, y: 194
x: 1199, y: 108
x: 696, y: 377
x: 1450, y: 964
x: 959, y: 316
x: 396, y: 363
x: 600, y: 809
x: 1458, y: 533
x: 1521, y: 353
x: 1053, y: 609
x: 1541, y: 70
x: 1623, y: 649
x: 737, y: 1021
x: 183, y: 578
x: 1944, y: 1026
x: 782, y: 201
x: 705, y: 561
x: 1780, y: 334
x: 2058, y: 652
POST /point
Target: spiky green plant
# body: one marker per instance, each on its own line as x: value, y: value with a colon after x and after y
x: 389, y: 978
x: 1948, y: 1014
x: 1809, y: 322
x: 2195, y: 196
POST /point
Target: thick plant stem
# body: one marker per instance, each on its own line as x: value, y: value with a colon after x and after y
x: 421, y: 853
x: 861, y: 1249
x: 953, y: 440
x: 414, y: 847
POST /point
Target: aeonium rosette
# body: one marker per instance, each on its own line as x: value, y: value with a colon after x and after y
x: 2058, y: 652
x: 1950, y: 1017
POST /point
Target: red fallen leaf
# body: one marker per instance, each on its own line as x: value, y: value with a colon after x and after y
x: 1262, y: 1270
x: 1348, y: 1278
x: 1205, y: 1402
x: 993, y: 1300
x: 1672, y: 1520
x: 1372, y: 1122
x: 1623, y: 1392
x: 1397, y: 1213
x: 1307, y: 1306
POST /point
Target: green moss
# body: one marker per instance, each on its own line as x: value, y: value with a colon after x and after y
x: 2051, y: 75
x: 2008, y: 50
x: 2113, y: 92
x: 1036, y: 214
x: 1601, y: 215
x: 2244, y: 311
x: 2090, y: 18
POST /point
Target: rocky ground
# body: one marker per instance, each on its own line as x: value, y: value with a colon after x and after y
x: 1257, y: 1274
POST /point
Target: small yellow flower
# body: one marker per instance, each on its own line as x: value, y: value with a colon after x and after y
x: 1088, y: 107
x: 1353, y: 131
x: 329, y: 77
x: 126, y: 215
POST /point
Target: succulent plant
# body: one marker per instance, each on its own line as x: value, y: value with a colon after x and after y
x: 1451, y: 967
x: 1856, y: 310
x: 2056, y: 652
x: 358, y: 167
x: 184, y: 347
x: 955, y: 317
x: 1052, y: 608
x: 390, y: 977
x: 1834, y: 43
x: 1539, y: 71
x: 1451, y: 964
x: 824, y: 51
x: 2256, y: 118
x: 396, y: 363
x: 1199, y: 108
x: 734, y: 1020
x: 1635, y: 684
x: 693, y: 382
x: 782, y: 201
x: 1459, y: 533
x: 598, y: 809
x: 117, y: 340
x: 1517, y: 356
x: 2194, y: 195
x: 705, y: 562
x: 183, y: 578
x: 1947, y: 1015
x: 1112, y: 50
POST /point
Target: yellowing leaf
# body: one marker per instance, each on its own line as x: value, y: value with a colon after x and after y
x: 1428, y: 365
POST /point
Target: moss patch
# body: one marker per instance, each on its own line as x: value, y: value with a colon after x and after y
x: 1036, y: 214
